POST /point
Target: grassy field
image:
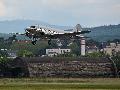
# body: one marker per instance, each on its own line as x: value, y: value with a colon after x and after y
x: 60, y: 84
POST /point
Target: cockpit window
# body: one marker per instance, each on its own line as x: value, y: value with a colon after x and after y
x: 32, y: 26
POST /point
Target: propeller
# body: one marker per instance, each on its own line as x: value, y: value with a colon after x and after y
x: 34, y: 42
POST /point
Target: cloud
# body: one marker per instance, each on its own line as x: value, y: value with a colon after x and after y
x: 2, y: 8
x: 68, y: 12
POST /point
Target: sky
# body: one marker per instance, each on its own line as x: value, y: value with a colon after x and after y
x: 63, y: 12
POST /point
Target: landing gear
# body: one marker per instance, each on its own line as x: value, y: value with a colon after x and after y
x: 34, y: 42
x: 49, y: 42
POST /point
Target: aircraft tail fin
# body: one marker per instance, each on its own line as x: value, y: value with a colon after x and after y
x: 78, y: 28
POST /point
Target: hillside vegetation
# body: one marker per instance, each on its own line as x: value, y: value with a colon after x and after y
x: 105, y: 33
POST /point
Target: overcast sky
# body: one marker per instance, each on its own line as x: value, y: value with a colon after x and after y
x: 63, y: 12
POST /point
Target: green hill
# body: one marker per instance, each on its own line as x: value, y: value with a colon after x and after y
x: 105, y: 33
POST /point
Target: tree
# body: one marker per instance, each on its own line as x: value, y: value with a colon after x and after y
x: 92, y: 42
x: 29, y: 47
x: 11, y: 39
x: 65, y: 42
x: 53, y: 44
x: 3, y: 60
x: 3, y: 53
x: 25, y: 53
x: 116, y: 59
x: 41, y: 52
x: 75, y: 48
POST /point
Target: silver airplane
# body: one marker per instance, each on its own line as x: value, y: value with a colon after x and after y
x: 38, y: 32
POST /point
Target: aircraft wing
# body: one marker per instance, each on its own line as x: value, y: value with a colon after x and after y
x: 71, y: 34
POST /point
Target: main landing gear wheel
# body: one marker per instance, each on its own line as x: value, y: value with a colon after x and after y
x: 49, y: 42
x: 34, y: 42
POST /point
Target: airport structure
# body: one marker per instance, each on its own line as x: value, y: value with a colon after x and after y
x: 54, y: 52
x: 83, y: 46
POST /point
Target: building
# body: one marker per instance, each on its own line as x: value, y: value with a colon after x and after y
x: 92, y: 49
x: 53, y: 52
x: 112, y: 48
x: 12, y: 54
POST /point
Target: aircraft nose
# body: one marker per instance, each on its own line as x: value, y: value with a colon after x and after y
x: 27, y: 34
x: 27, y: 30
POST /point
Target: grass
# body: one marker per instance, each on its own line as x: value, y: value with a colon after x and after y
x: 60, y: 84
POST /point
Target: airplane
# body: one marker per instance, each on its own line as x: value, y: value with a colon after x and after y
x: 39, y: 32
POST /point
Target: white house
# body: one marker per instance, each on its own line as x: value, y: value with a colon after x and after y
x: 53, y: 52
x: 92, y: 49
x: 112, y: 48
